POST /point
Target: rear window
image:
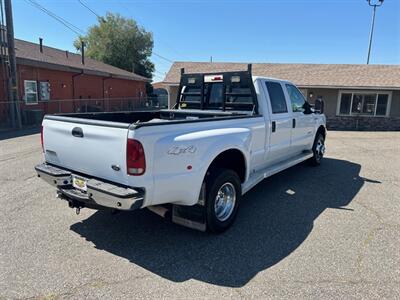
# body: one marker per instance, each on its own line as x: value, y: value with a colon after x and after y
x: 216, y: 97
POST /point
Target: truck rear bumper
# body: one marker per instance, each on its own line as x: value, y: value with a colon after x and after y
x: 99, y: 194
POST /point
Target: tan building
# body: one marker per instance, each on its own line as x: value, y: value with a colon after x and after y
x: 363, y: 97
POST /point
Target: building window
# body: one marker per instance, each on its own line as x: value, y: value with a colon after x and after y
x: 363, y: 103
x: 31, y: 94
x: 44, y: 89
x: 382, y: 105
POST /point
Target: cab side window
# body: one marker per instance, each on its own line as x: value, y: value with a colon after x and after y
x: 277, y: 97
x: 296, y: 98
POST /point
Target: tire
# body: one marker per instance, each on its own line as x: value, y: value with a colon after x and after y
x: 318, y: 150
x: 226, y: 183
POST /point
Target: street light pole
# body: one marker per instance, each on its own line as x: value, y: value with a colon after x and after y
x: 371, y: 33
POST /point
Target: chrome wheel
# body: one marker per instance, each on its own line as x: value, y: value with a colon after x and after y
x: 320, y: 148
x: 225, y: 201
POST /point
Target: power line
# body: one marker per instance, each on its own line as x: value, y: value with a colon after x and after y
x: 161, y: 63
x: 79, y: 31
x: 91, y: 10
x: 160, y: 41
x: 64, y: 22
x: 158, y: 72
x: 156, y: 54
x: 61, y: 20
x: 162, y: 57
x: 157, y: 75
x: 162, y: 70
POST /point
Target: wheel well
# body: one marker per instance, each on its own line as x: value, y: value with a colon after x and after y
x: 232, y: 159
x: 321, y: 129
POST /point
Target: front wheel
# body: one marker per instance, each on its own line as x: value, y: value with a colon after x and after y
x: 223, y: 194
x: 318, y: 150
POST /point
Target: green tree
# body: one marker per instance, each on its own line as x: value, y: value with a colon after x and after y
x: 119, y: 42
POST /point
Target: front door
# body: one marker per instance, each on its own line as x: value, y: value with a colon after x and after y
x: 280, y: 124
x: 302, y: 124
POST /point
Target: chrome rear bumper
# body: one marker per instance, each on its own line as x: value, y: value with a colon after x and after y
x: 99, y: 193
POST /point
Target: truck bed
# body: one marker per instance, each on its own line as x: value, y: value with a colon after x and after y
x: 144, y: 118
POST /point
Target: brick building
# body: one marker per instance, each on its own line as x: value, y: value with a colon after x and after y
x: 356, y: 97
x: 52, y: 80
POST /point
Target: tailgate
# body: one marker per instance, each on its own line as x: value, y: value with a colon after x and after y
x: 94, y: 150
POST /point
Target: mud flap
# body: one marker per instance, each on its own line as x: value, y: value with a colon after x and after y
x: 190, y: 216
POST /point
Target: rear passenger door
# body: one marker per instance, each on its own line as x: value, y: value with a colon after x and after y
x: 280, y: 123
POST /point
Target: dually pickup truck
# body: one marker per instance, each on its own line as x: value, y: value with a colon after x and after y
x: 191, y: 164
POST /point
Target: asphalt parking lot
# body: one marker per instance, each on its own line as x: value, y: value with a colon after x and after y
x: 326, y: 232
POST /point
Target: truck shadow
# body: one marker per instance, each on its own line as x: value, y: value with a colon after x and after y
x: 10, y: 134
x: 274, y: 219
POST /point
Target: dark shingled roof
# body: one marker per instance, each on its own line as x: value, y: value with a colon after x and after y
x: 29, y: 53
x: 304, y: 75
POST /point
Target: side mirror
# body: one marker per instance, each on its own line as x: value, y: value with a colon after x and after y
x: 307, y: 108
x: 319, y: 106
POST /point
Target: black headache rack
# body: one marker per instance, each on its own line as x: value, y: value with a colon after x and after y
x: 224, y: 91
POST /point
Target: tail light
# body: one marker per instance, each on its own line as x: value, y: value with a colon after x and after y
x: 41, y: 139
x: 135, y: 159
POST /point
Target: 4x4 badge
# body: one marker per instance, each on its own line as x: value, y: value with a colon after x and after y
x: 177, y: 150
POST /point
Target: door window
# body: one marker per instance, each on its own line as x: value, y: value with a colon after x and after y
x: 296, y: 98
x: 277, y: 97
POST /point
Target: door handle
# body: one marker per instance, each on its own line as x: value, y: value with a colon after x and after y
x: 294, y: 123
x: 273, y: 126
x: 77, y: 132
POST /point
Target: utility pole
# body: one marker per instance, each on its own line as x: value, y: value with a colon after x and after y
x: 12, y: 81
x: 371, y: 33
x: 3, y: 51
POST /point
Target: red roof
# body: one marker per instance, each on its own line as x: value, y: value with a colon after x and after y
x: 29, y: 53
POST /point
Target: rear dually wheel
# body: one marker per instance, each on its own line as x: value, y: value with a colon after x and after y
x: 223, y: 194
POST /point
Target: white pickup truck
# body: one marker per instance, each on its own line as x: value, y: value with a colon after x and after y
x: 192, y: 164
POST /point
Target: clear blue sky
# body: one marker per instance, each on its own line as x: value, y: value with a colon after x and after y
x: 301, y: 31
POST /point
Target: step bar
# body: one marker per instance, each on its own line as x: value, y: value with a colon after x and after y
x: 259, y: 176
